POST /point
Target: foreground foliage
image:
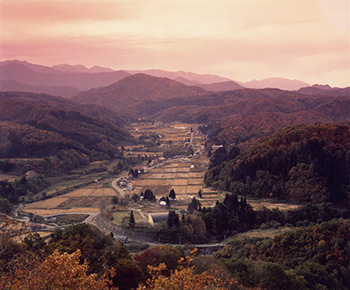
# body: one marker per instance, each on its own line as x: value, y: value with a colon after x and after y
x: 184, y: 277
x: 316, y: 257
x: 57, y: 271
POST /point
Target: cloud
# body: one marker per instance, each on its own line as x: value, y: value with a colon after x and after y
x: 36, y: 11
x: 239, y: 39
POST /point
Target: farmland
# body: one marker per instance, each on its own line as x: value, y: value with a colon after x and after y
x: 84, y: 200
x: 183, y: 173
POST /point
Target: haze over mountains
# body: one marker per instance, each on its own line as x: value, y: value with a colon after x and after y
x: 234, y: 112
x: 67, y: 80
x: 35, y: 75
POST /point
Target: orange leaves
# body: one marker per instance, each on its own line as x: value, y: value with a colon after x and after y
x: 60, y: 271
x: 183, y: 278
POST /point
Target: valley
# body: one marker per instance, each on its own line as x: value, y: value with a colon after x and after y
x: 142, y: 166
x: 87, y: 195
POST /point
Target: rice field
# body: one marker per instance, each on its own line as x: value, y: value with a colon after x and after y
x: 84, y: 200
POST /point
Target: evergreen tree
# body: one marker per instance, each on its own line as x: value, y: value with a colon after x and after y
x: 172, y: 193
x: 132, y: 219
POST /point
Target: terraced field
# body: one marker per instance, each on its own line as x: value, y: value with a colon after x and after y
x: 84, y: 200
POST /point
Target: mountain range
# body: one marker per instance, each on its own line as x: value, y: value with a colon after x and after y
x: 67, y: 80
x: 101, y: 102
x: 34, y: 75
x: 279, y: 83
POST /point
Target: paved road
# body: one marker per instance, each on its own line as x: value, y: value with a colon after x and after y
x: 117, y: 188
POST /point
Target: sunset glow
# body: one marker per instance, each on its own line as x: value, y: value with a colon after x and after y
x: 239, y: 39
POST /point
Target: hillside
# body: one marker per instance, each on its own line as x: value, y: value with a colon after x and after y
x: 189, y: 76
x: 67, y: 68
x: 137, y: 88
x: 15, y: 86
x: 313, y: 257
x: 68, y: 139
x: 64, y: 104
x: 236, y: 116
x: 300, y: 164
x: 222, y: 86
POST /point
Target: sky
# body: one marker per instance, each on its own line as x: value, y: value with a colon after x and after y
x: 243, y: 40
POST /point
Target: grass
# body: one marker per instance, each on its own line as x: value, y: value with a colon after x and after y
x: 266, y: 233
x: 107, y: 185
x: 69, y: 219
x: 120, y: 215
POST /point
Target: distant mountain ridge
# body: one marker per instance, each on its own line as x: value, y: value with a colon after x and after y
x: 15, y: 86
x: 34, y: 75
x: 83, y: 78
x: 222, y: 86
x: 67, y: 68
x: 279, y: 83
x: 193, y: 77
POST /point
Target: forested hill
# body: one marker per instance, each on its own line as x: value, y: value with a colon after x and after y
x: 137, y: 88
x: 68, y: 139
x: 300, y: 163
x: 67, y: 105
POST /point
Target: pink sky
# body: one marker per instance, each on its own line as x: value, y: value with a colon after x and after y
x: 307, y: 40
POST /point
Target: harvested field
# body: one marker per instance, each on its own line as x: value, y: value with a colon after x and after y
x: 80, y: 202
x: 181, y: 175
x: 162, y: 176
x: 172, y: 165
x: 47, y: 204
x: 195, y: 181
x: 183, y: 197
x: 180, y: 182
x: 151, y: 182
x: 196, y: 174
x: 183, y: 169
x: 208, y: 190
x: 164, y: 169
x: 161, y: 190
x: 180, y: 189
x: 91, y: 191
x: 193, y: 189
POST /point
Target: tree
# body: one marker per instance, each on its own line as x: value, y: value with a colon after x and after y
x: 149, y: 195
x: 132, y: 220
x: 5, y: 206
x: 172, y: 193
x: 9, y: 230
x: 173, y: 219
x: 183, y: 278
x: 155, y: 255
x: 194, y: 205
x: 59, y: 271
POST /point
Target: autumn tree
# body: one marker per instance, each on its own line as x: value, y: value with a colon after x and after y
x: 57, y: 271
x: 183, y: 278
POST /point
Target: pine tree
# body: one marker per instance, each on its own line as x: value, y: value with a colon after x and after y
x: 172, y: 193
x: 132, y: 219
